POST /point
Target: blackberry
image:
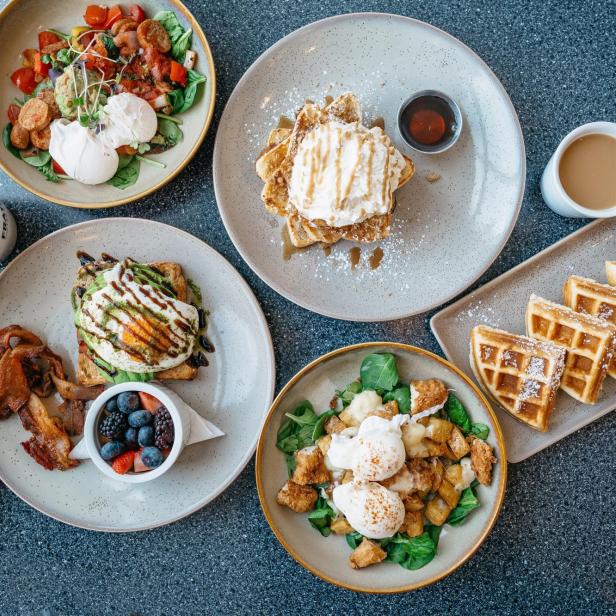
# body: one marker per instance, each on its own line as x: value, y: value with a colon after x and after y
x: 113, y: 425
x: 163, y: 429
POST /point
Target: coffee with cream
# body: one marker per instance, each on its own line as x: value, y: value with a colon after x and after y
x: 588, y: 171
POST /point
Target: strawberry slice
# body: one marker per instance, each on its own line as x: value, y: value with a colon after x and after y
x: 149, y: 402
x: 124, y: 462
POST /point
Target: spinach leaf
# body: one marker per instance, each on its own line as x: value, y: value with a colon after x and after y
x: 433, y: 531
x: 176, y: 98
x: 48, y: 172
x: 64, y: 57
x: 348, y: 393
x: 480, y: 430
x: 170, y: 131
x: 110, y: 46
x: 181, y: 46
x: 6, y: 139
x: 190, y: 91
x: 354, y: 539
x: 37, y: 159
x: 319, y: 426
x: 321, y: 516
x: 411, y: 552
x: 378, y: 371
x: 171, y: 24
x: 296, y: 431
x: 457, y: 414
x: 127, y: 173
x: 468, y: 502
x: 402, y: 395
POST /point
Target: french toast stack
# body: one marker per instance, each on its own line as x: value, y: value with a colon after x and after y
x: 570, y: 346
x: 275, y: 165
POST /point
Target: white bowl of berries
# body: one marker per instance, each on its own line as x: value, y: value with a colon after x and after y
x: 134, y: 432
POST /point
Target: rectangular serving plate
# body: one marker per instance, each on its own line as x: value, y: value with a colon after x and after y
x: 502, y: 303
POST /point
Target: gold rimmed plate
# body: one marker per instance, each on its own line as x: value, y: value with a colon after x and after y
x: 327, y: 557
x: 20, y: 23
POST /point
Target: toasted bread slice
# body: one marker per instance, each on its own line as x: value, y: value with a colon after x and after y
x: 87, y: 372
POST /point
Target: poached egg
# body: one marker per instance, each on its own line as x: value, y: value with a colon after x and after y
x: 127, y: 119
x: 133, y: 325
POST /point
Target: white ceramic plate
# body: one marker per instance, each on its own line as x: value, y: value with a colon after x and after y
x: 432, y: 254
x: 328, y: 557
x: 20, y: 22
x: 502, y: 303
x: 234, y: 392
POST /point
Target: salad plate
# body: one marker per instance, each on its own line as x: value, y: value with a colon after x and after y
x: 473, y: 190
x: 328, y: 556
x: 233, y: 392
x: 21, y: 23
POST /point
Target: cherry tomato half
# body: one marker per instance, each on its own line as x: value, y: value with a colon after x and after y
x: 179, y: 73
x: 136, y: 13
x: 40, y: 68
x: 47, y: 38
x: 115, y: 13
x: 95, y: 15
x: 56, y: 167
x: 24, y: 79
x: 13, y: 113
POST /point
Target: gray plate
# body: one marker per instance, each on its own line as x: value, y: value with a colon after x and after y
x: 383, y: 59
x: 502, y: 303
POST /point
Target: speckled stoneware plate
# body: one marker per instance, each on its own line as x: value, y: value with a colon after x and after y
x: 432, y: 253
x: 327, y: 557
x: 502, y: 303
x: 20, y: 22
x: 234, y: 392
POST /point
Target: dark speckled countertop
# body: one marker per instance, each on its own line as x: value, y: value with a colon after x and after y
x: 552, y: 549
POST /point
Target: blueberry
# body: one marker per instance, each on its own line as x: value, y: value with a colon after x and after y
x: 112, y: 449
x: 152, y: 457
x: 112, y: 405
x: 130, y: 436
x: 139, y: 418
x: 146, y: 436
x: 128, y: 401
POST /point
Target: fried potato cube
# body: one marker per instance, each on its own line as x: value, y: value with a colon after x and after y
x: 413, y: 502
x: 412, y: 436
x: 437, y: 511
x: 324, y: 442
x: 453, y: 474
x: 448, y: 493
x: 403, y: 482
x: 438, y: 430
x: 365, y: 554
x: 482, y: 460
x: 348, y: 420
x: 421, y: 472
x: 436, y: 449
x: 413, y: 524
x: 427, y: 394
x: 333, y: 425
x: 310, y: 467
x: 457, y: 443
x: 347, y: 477
x: 438, y: 470
x: 341, y: 526
x: 298, y: 498
x: 389, y: 410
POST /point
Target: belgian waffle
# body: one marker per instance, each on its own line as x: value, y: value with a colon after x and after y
x: 275, y: 164
x: 591, y: 297
x: 519, y: 373
x: 610, y: 271
x: 590, y: 342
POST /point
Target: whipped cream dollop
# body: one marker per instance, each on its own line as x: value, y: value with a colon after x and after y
x: 371, y: 509
x: 344, y: 173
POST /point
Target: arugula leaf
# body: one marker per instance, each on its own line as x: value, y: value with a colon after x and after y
x: 411, y: 552
x: 378, y: 371
x: 321, y: 516
x: 402, y: 395
x: 480, y: 430
x: 6, y: 140
x: 348, y: 393
x: 467, y: 503
x: 48, y: 172
x: 63, y: 57
x: 354, y: 539
x: 37, y: 159
x: 457, y: 413
x: 127, y: 173
x: 190, y: 91
x: 170, y: 131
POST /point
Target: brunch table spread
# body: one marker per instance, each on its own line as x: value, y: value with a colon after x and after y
x: 205, y: 546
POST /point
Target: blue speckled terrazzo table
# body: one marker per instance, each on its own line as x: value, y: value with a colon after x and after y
x: 552, y: 549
